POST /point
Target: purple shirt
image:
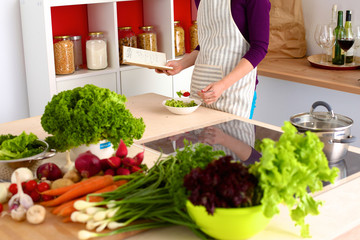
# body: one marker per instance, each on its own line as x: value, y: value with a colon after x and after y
x: 252, y: 18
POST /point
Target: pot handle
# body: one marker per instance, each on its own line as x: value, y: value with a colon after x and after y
x: 324, y: 104
x: 349, y: 139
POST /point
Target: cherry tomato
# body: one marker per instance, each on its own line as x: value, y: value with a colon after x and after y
x: 1, y: 207
x: 13, y: 188
x: 47, y: 197
x: 41, y: 187
x: 35, y: 195
x: 31, y: 185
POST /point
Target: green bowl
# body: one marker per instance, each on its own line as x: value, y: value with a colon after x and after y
x: 229, y: 223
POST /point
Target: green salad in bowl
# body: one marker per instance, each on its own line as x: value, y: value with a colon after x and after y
x: 181, y: 105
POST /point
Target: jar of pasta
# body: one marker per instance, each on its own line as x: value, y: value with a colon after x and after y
x: 126, y: 38
x: 147, y: 38
x: 193, y: 36
x: 96, y: 51
x: 179, y: 36
x: 63, y: 55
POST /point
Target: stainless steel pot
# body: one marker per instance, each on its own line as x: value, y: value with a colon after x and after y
x: 334, y: 130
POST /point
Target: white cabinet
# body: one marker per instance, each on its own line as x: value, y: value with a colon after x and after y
x: 43, y: 83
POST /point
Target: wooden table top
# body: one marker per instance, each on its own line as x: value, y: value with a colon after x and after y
x: 301, y: 71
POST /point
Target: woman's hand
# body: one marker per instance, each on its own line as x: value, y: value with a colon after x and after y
x: 212, y: 92
x: 212, y: 135
x: 175, y: 64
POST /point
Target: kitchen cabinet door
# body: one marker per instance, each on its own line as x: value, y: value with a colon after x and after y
x: 103, y: 80
x: 143, y: 80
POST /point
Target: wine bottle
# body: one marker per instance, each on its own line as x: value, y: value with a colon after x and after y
x: 338, y: 54
x: 332, y: 24
x: 349, y: 35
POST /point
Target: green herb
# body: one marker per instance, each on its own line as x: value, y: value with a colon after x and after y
x: 287, y: 169
x: 22, y: 146
x: 86, y: 115
x: 180, y: 103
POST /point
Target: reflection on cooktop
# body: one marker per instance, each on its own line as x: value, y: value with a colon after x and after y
x: 238, y: 139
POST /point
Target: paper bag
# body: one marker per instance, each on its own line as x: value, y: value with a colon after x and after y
x: 287, y: 30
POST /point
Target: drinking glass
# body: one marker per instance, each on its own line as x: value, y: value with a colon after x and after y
x: 356, y: 35
x: 325, y: 38
x: 346, y: 40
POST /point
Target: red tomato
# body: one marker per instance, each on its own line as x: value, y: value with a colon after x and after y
x: 186, y: 94
x: 1, y: 207
x: 35, y: 195
x: 47, y: 197
x: 31, y: 185
x: 43, y: 186
x: 13, y: 188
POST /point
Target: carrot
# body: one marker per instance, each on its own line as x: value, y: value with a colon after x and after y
x: 120, y: 182
x: 62, y: 190
x: 80, y: 190
x: 63, y: 208
x: 67, y: 219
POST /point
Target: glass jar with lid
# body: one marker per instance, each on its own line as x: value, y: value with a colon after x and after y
x: 126, y: 38
x: 78, y: 57
x: 63, y: 55
x: 96, y: 51
x: 193, y: 36
x: 179, y: 36
x: 147, y: 38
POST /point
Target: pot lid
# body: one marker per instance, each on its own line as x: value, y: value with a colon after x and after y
x: 321, y: 121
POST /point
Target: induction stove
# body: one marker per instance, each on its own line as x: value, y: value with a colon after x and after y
x: 238, y: 139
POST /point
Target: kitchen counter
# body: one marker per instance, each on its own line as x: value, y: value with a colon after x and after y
x: 300, y: 71
x: 339, y: 217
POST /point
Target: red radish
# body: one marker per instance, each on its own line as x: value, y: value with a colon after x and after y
x: 109, y: 171
x: 129, y: 162
x: 50, y: 171
x: 114, y: 162
x: 87, y: 164
x: 139, y: 158
x: 104, y: 164
x: 135, y: 169
x: 122, y: 150
x: 123, y: 171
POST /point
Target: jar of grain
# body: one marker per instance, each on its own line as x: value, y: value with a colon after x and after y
x: 78, y: 58
x: 63, y: 55
x: 126, y: 38
x: 147, y: 38
x: 179, y: 36
x: 193, y: 36
x: 96, y: 51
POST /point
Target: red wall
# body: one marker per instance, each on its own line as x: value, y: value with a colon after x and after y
x: 72, y: 20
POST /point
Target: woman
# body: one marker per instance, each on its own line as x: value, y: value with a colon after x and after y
x: 233, y: 38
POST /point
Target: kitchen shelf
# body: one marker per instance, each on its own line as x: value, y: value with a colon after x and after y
x: 38, y: 22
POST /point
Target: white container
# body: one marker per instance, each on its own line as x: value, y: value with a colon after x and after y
x: 103, y: 149
x: 96, y: 51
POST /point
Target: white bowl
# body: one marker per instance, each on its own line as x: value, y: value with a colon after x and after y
x: 103, y: 149
x: 182, y: 110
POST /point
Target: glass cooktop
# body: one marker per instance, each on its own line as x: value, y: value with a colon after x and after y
x: 238, y: 139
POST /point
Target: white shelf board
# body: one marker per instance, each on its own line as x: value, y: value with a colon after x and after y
x: 56, y: 3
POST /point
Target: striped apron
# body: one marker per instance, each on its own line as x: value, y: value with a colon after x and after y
x: 222, y: 47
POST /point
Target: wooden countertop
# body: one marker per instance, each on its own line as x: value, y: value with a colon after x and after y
x: 339, y: 217
x: 300, y: 71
